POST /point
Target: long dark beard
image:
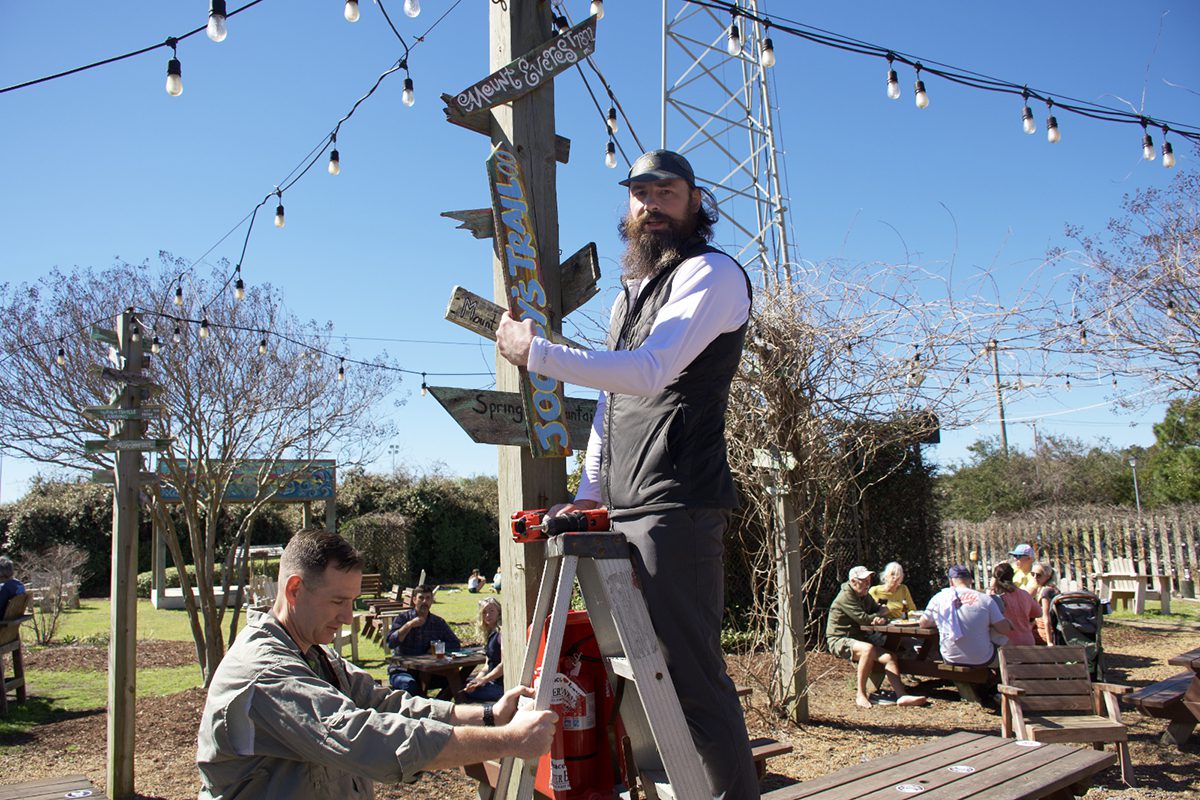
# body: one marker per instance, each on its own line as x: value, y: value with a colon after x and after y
x: 648, y: 252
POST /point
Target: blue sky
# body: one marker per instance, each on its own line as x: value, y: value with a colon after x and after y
x: 104, y: 164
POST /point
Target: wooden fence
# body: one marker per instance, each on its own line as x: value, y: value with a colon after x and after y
x: 1080, y: 543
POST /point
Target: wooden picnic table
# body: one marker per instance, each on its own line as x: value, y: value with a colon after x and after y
x: 926, y: 660
x: 454, y: 667
x: 51, y: 788
x: 961, y: 766
x: 1191, y: 660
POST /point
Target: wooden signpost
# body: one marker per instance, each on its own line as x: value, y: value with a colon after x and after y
x: 112, y: 413
x: 120, y: 445
x: 499, y: 417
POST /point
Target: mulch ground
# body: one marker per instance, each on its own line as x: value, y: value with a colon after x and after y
x: 838, y: 733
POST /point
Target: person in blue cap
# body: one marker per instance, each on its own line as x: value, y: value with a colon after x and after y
x: 1022, y: 562
x: 656, y: 456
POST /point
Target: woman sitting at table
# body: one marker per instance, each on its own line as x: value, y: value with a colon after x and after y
x: 1046, y: 592
x: 893, y: 592
x: 488, y: 686
x: 1019, y: 607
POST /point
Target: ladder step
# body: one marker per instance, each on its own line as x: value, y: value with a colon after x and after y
x: 620, y: 666
x: 659, y: 783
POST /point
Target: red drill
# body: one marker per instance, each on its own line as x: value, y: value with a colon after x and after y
x: 527, y: 526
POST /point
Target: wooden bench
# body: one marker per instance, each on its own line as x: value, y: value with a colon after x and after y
x: 1164, y: 700
x: 1122, y: 583
x: 52, y: 789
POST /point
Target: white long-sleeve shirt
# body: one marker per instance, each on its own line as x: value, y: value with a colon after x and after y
x: 708, y: 298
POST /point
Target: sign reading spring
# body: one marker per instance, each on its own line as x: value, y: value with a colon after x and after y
x: 516, y: 246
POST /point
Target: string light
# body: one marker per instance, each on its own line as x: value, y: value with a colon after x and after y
x: 279, y: 221
x: 919, y: 95
x: 916, y: 376
x: 407, y: 96
x: 1082, y: 335
x: 612, y: 119
x: 177, y: 337
x: 174, y: 71
x: 893, y: 80
x: 733, y: 45
x: 766, y: 58
x: 239, y: 288
x: 610, y: 154
x: 155, y: 346
x: 1167, y: 151
x: 1148, y: 152
x: 204, y: 328
x: 61, y: 357
x: 341, y: 370
x: 424, y: 387
x: 135, y: 333
x: 1067, y: 385
x: 1170, y: 309
x: 561, y: 25
x: 596, y: 9
x: 1052, y: 134
x: 1114, y: 381
x: 216, y: 21
x: 262, y: 344
x: 412, y: 7
x: 335, y: 163
x: 350, y: 12
x: 179, y: 295
x: 1027, y: 123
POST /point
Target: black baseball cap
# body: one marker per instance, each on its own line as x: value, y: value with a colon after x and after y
x: 660, y: 165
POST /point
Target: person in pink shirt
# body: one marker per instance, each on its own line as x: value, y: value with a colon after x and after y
x: 1019, y: 607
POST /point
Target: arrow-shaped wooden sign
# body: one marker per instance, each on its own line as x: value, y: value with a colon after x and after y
x: 517, y: 249
x: 104, y: 335
x: 110, y: 412
x: 125, y: 376
x: 499, y: 417
x: 482, y: 316
x: 106, y: 476
x: 117, y: 445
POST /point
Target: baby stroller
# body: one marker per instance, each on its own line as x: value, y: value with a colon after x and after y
x: 1076, y: 617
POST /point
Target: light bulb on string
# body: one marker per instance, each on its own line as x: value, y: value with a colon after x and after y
x: 893, y: 80
x: 1052, y: 134
x: 412, y: 7
x: 204, y: 328
x: 350, y: 12
x: 1167, y: 151
x: 60, y: 357
x: 424, y: 387
x: 239, y: 290
x: 1067, y: 385
x: 341, y: 370
x: 1171, y: 309
x: 179, y: 295
x: 596, y: 9
x: 279, y: 220
x: 766, y: 56
x: 216, y: 29
x: 174, y: 71
x: 610, y: 155
x: 262, y: 344
x: 407, y: 96
x: 1082, y: 335
x: 177, y: 337
x: 612, y: 119
x: 335, y: 162
x: 1148, y: 151
x: 1114, y: 381
x: 1027, y: 123
x: 733, y: 45
x: 919, y: 95
x: 155, y: 345
x: 135, y: 333
x: 561, y: 25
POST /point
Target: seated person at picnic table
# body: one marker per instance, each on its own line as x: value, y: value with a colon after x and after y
x: 1047, y: 591
x: 966, y: 621
x: 850, y: 610
x: 1019, y: 607
x: 489, y: 684
x: 1022, y: 564
x: 413, y: 631
x: 286, y: 716
x: 9, y: 586
x: 893, y: 592
x: 474, y: 582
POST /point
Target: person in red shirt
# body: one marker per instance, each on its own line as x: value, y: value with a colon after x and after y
x: 1019, y: 607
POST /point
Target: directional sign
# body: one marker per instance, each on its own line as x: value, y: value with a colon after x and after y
x: 577, y: 278
x: 104, y: 335
x: 517, y: 248
x: 482, y: 316
x: 127, y: 377
x: 476, y: 220
x: 106, y: 476
x: 499, y: 417
x: 116, y: 445
x: 110, y: 412
x: 527, y: 73
x: 776, y: 460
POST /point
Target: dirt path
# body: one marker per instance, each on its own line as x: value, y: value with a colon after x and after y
x: 838, y: 735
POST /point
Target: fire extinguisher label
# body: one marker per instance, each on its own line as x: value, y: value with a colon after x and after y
x: 560, y: 781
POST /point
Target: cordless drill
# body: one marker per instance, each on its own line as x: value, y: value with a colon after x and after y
x: 527, y: 526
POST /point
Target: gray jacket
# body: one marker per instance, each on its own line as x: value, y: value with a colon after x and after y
x: 273, y: 728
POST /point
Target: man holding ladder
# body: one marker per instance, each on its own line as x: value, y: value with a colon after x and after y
x: 656, y: 457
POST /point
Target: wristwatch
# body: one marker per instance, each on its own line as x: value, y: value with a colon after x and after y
x: 489, y: 719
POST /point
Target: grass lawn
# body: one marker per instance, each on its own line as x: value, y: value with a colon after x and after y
x: 1181, y: 611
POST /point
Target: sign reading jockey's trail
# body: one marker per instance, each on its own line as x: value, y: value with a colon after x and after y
x: 516, y: 246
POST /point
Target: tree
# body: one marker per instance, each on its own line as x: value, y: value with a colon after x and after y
x: 1136, y: 294
x: 225, y: 403
x: 1174, y: 469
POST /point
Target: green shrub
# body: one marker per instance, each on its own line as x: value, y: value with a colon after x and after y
x: 171, y: 578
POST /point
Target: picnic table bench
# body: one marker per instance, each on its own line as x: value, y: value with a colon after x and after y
x: 960, y: 766
x: 1177, y: 699
x: 52, y: 789
x: 926, y: 659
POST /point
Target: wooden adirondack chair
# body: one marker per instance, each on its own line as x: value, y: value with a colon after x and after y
x: 1041, y: 681
x: 10, y: 642
x: 1122, y: 583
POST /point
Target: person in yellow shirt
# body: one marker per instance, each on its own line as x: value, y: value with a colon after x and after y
x: 1022, y: 562
x: 893, y: 592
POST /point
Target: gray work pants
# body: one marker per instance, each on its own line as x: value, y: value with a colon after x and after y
x: 678, y: 558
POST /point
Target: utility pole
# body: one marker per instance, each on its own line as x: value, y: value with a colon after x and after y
x: 994, y: 348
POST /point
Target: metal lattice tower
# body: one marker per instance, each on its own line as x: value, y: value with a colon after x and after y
x: 716, y: 110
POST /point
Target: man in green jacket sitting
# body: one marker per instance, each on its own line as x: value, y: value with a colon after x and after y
x: 850, y: 610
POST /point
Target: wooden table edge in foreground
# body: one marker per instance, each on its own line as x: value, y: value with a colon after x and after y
x: 961, y: 765
x: 52, y: 788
